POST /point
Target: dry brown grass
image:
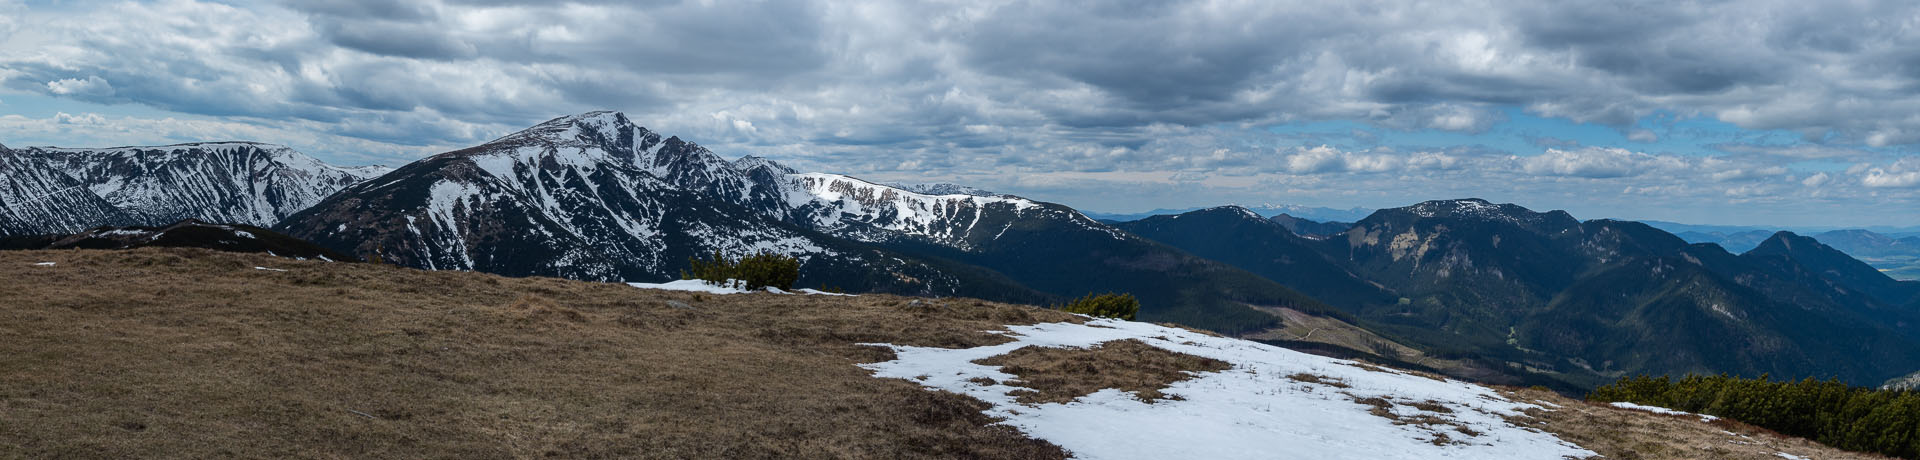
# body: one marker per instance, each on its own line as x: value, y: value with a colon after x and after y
x: 1318, y: 379
x: 1432, y: 418
x: 193, y: 354
x: 1059, y: 375
x: 1635, y: 435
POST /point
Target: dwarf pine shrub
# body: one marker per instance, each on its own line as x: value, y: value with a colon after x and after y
x: 756, y: 271
x: 1109, y: 305
x: 1829, y: 412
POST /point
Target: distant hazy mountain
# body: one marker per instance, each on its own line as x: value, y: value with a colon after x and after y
x: 1741, y: 241
x: 63, y: 190
x: 1309, y: 228
x: 1897, y: 254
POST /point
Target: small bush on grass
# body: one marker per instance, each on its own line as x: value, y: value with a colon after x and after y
x: 1109, y: 305
x: 756, y: 271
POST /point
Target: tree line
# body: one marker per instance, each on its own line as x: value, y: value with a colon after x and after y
x: 1829, y: 412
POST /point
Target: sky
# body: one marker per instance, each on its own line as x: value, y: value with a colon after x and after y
x: 1786, y: 113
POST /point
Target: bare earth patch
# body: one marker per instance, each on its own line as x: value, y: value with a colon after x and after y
x: 1060, y: 375
x: 194, y: 354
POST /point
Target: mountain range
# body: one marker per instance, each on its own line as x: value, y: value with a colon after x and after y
x: 597, y: 197
x: 1580, y: 301
x: 1314, y: 213
x: 1516, y: 295
x: 65, y: 190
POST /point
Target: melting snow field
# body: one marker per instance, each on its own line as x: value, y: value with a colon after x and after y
x: 1253, y: 410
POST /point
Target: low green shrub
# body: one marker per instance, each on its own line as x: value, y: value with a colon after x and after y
x: 756, y: 271
x: 1829, y: 412
x: 1109, y: 305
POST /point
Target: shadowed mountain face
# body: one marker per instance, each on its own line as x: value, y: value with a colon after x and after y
x: 1584, y: 300
x: 60, y: 190
x: 1240, y: 237
x: 596, y: 197
x: 184, y: 234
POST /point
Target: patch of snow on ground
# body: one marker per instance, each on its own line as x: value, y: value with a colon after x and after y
x: 243, y: 234
x: 1661, y: 410
x: 1250, y: 411
x: 1790, y: 456
x: 44, y: 264
x: 732, y: 287
x: 820, y: 292
x: 269, y: 269
x: 690, y: 285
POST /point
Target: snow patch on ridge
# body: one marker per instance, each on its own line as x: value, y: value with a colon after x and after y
x: 836, y: 200
x: 1250, y: 411
x: 1662, y: 410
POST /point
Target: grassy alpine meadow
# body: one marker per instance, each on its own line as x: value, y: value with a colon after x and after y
x: 195, y: 354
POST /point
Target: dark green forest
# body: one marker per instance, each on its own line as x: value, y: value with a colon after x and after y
x: 1830, y: 412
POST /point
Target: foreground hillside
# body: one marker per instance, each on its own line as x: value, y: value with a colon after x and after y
x: 193, y: 354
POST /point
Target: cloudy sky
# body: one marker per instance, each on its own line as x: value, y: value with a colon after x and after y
x: 1762, y: 112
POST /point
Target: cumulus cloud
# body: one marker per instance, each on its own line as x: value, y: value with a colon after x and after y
x: 1597, y: 163
x: 1795, y: 151
x: 82, y: 119
x: 90, y: 86
x: 1432, y: 161
x: 1902, y: 174
x: 1325, y: 159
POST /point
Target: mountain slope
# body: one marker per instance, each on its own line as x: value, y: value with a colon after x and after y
x: 231, y: 182
x: 36, y: 198
x: 1240, y: 237
x: 1833, y: 266
x: 1863, y: 243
